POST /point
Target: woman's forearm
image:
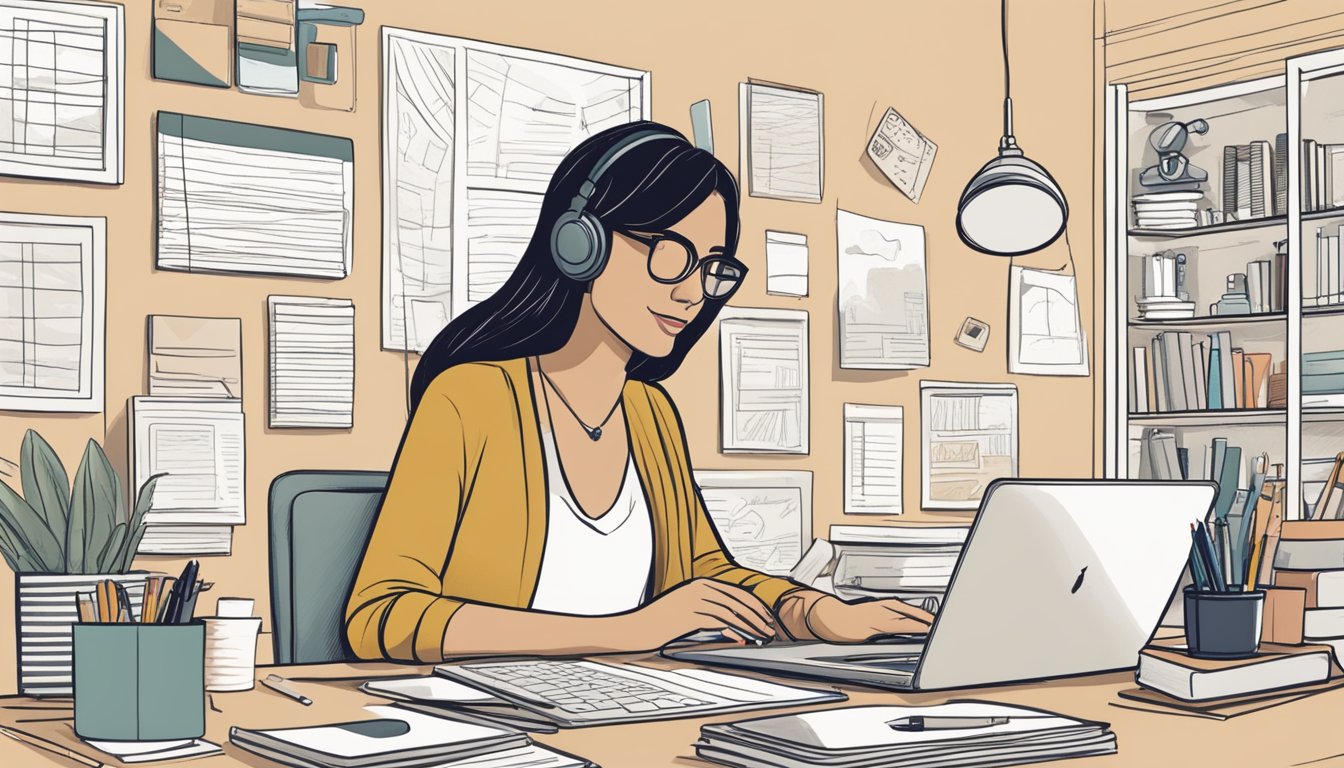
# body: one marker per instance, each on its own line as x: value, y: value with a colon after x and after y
x: 478, y: 629
x: 792, y: 612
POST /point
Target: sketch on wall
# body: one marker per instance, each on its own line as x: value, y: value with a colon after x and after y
x: 1045, y: 334
x: 52, y: 294
x: 903, y: 154
x: 969, y: 440
x: 763, y: 380
x: 195, y: 356
x: 782, y: 142
x: 883, y: 293
x: 62, y: 76
x: 458, y: 214
x: 764, y: 517
x: 238, y: 197
x: 312, y: 362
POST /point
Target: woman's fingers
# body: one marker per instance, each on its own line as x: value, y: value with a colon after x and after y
x: 742, y: 597
x: 751, y: 620
x: 721, y: 618
x: 905, y: 609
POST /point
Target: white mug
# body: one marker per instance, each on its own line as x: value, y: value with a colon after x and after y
x: 230, y: 653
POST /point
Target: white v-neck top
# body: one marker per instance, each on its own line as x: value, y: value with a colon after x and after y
x: 590, y: 566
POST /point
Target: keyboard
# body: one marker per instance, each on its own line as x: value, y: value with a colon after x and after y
x: 578, y: 692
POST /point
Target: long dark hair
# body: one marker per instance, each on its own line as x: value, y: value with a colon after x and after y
x: 649, y: 188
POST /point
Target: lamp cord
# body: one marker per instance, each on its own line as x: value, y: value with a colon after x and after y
x: 1007, y: 72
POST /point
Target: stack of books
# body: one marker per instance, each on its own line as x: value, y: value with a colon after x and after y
x: 1329, y: 284
x: 1322, y: 175
x: 1250, y: 173
x: 1181, y: 372
x: 1167, y: 210
x: 959, y: 733
x: 1169, y: 676
x: 1323, y: 378
x: 1310, y: 556
x: 1164, y: 296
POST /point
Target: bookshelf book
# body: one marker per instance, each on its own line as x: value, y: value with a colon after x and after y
x: 1224, y: 219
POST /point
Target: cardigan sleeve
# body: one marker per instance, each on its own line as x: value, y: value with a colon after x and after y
x: 396, y: 609
x: 709, y: 558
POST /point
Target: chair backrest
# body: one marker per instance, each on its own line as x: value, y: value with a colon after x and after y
x: 319, y: 523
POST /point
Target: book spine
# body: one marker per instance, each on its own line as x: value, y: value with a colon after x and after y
x: 1186, y: 350
x: 1227, y: 379
x: 1257, y: 178
x: 1229, y: 181
x: 1158, y: 361
x: 1281, y: 177
x: 1139, y: 381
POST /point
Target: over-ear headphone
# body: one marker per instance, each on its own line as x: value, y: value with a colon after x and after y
x: 578, y: 239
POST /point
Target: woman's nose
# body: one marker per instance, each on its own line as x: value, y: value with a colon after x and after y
x: 689, y: 291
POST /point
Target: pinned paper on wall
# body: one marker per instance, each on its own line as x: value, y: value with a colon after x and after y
x: 785, y: 263
x: 195, y: 356
x: 763, y: 380
x: 874, y: 458
x: 1045, y: 335
x: 764, y: 517
x: 883, y: 294
x: 781, y: 142
x: 903, y: 154
x: 969, y: 440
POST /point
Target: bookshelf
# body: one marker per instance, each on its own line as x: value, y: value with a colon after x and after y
x: 1292, y: 126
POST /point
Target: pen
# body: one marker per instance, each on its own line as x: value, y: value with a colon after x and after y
x: 920, y: 723
x: 277, y: 684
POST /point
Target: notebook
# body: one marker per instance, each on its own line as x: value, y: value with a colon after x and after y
x: 862, y: 736
x: 391, y: 738
x: 1165, y: 667
x: 435, y: 695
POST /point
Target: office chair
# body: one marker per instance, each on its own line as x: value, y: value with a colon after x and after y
x: 319, y: 522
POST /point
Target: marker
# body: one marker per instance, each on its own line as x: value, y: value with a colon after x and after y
x: 277, y: 684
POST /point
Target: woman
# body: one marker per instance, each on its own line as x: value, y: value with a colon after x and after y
x: 541, y: 500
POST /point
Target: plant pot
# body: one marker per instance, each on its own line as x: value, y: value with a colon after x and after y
x: 46, y: 610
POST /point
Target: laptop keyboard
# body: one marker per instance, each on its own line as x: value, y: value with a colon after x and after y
x: 575, y: 687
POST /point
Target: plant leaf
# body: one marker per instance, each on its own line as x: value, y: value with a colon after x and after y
x: 46, y: 487
x: 111, y: 554
x: 26, y: 530
x: 103, y: 508
x: 14, y: 554
x: 143, y: 501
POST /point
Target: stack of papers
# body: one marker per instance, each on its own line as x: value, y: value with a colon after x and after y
x: 153, y: 751
x: 312, y: 362
x: 436, y: 695
x: 864, y: 736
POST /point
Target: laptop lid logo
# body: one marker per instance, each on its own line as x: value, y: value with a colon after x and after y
x: 1078, y: 583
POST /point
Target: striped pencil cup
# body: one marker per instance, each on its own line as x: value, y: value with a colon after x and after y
x: 139, y: 682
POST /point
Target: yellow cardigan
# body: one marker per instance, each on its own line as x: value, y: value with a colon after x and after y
x: 464, y: 515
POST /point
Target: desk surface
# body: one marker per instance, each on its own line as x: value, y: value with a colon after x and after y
x: 1303, y: 732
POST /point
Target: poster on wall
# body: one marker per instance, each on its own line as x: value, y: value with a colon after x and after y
x: 970, y: 439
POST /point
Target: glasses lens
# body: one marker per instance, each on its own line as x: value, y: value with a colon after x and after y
x: 670, y: 261
x: 721, y: 278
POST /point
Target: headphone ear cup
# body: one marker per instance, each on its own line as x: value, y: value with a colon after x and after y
x: 579, y: 245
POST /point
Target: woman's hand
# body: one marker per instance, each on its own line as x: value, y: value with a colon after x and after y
x: 695, y: 605
x: 833, y: 620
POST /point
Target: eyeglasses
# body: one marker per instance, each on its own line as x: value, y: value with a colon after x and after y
x: 672, y: 259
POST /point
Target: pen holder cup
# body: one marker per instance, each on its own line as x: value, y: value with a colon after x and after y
x: 1223, y: 625
x: 139, y: 682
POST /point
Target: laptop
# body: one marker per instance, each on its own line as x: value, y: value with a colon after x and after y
x: 1057, y: 578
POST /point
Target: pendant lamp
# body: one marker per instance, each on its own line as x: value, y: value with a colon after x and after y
x: 1011, y: 206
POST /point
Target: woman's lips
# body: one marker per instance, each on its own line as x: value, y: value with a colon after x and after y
x: 670, y: 325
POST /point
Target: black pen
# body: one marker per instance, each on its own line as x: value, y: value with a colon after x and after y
x: 919, y: 723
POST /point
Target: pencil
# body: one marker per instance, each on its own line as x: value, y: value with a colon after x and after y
x: 47, y: 745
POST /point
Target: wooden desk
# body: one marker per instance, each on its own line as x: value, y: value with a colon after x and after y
x: 1296, y: 734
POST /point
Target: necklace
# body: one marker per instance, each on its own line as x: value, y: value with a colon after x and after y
x: 594, y: 433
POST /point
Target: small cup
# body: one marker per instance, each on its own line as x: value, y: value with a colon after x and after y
x: 1223, y: 625
x: 230, y: 653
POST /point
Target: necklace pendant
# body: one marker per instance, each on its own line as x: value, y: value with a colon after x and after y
x: 595, y: 433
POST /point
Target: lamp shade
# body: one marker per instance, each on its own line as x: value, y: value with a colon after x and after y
x: 1011, y: 206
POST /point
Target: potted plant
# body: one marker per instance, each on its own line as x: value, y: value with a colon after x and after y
x: 61, y: 541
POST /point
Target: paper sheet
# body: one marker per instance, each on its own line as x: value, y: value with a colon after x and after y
x: 52, y: 286
x: 970, y: 438
x: 312, y: 362
x: 199, y: 443
x: 1045, y: 334
x: 471, y: 135
x: 763, y: 369
x: 62, y: 73
x: 237, y: 197
x: 763, y: 517
x: 874, y: 458
x: 195, y: 356
x: 883, y: 293
x: 782, y: 142
x: 903, y: 154
x: 785, y: 263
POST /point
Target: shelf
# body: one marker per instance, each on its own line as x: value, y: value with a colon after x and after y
x: 1325, y: 213
x: 1213, y: 229
x: 1227, y: 417
x: 1214, y: 320
x: 1326, y: 311
x: 1322, y: 413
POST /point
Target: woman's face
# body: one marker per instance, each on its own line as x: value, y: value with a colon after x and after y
x: 646, y: 314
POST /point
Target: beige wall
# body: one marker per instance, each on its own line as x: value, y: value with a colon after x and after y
x: 938, y: 63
